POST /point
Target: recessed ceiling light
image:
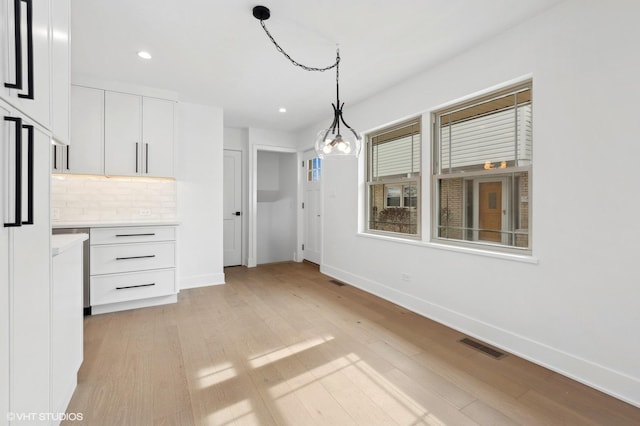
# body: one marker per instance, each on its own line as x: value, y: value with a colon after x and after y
x: 282, y: 110
x: 144, y: 55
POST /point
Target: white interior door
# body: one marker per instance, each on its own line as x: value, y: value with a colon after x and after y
x: 232, y: 205
x: 312, y: 244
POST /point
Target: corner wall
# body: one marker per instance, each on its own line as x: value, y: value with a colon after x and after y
x: 573, y: 308
x: 199, y: 173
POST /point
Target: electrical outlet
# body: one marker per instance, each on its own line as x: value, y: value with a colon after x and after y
x: 405, y: 277
x: 145, y: 212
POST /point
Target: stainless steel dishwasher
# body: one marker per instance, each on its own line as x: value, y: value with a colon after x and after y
x: 86, y: 273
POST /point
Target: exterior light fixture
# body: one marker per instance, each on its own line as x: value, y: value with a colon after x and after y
x: 339, y: 139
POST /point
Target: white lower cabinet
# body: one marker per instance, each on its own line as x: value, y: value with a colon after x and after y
x: 113, y: 288
x: 132, y: 267
x: 66, y: 324
x: 122, y: 258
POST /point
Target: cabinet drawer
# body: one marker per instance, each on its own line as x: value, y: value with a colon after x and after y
x: 117, y: 258
x: 140, y: 234
x: 132, y: 286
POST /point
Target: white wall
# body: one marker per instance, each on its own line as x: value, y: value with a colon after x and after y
x: 576, y: 309
x: 199, y: 172
x: 236, y: 138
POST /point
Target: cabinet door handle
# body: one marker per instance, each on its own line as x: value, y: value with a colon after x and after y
x: 146, y: 158
x: 29, y: 94
x: 18, y: 47
x: 29, y: 220
x: 68, y: 157
x: 135, y: 257
x: 18, y: 180
x: 135, y: 286
x: 136, y: 235
x: 55, y: 157
x: 136, y: 157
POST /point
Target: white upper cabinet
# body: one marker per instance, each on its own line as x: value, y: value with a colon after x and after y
x: 25, y: 57
x: 157, y: 137
x: 60, y: 70
x: 115, y: 133
x: 122, y: 134
x: 138, y: 135
x: 86, y: 155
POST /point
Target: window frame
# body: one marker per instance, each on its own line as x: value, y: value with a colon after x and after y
x: 476, y: 176
x: 414, y: 179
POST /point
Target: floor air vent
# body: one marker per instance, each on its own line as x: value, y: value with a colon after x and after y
x: 336, y: 282
x: 493, y: 353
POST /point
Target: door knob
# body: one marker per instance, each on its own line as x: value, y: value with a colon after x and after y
x: 237, y: 213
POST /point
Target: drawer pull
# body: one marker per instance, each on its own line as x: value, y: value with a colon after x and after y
x: 136, y: 235
x: 135, y: 286
x: 135, y: 257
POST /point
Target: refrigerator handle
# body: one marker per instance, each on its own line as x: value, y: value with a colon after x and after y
x: 29, y: 94
x: 29, y: 220
x: 18, y: 170
x: 17, y: 46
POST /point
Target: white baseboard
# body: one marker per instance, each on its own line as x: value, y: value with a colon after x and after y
x: 133, y: 304
x: 204, y: 280
x: 616, y: 384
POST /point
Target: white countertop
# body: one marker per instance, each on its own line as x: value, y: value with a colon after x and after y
x: 107, y: 224
x: 63, y: 242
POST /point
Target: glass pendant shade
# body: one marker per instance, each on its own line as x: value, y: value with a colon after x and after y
x: 333, y: 143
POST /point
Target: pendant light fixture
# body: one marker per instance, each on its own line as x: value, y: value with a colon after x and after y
x: 339, y: 139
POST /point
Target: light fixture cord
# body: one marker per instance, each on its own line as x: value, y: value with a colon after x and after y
x: 304, y: 67
x: 338, y: 106
x: 336, y: 65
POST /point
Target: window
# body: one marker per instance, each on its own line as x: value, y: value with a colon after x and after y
x: 314, y: 169
x: 482, y: 168
x: 401, y: 196
x: 393, y: 179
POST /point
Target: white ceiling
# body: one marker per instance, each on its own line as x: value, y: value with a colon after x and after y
x: 215, y: 52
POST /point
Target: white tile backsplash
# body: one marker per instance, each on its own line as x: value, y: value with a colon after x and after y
x: 100, y: 198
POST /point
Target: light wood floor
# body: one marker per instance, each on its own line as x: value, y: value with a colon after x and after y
x: 281, y: 345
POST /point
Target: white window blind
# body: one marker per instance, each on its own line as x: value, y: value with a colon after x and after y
x: 489, y: 137
x: 396, y: 153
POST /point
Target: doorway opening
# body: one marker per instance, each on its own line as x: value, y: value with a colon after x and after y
x: 276, y: 219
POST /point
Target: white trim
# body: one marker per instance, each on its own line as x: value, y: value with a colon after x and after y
x: 607, y: 380
x: 115, y: 86
x: 525, y: 258
x: 133, y: 304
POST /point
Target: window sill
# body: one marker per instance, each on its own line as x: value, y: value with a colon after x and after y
x: 468, y: 250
